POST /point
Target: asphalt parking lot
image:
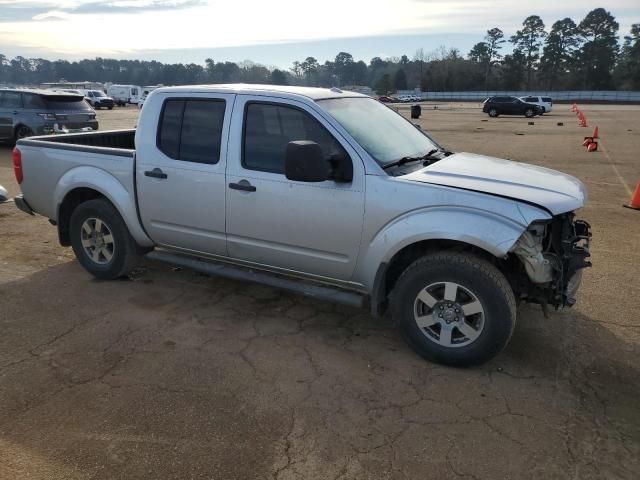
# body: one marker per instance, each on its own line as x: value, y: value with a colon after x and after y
x: 171, y: 374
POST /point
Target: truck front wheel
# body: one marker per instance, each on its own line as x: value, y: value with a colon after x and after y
x: 454, y: 308
x: 101, y: 241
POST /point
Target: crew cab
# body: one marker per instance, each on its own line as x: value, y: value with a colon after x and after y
x: 324, y: 192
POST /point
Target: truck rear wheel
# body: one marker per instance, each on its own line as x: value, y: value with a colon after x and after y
x: 101, y: 241
x: 454, y: 308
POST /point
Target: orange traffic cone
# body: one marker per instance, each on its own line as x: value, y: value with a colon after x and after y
x: 592, y: 147
x: 634, y: 203
x: 587, y: 141
x: 595, y: 132
x: 583, y: 120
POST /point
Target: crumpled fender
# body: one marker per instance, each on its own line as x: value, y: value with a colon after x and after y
x: 484, y: 229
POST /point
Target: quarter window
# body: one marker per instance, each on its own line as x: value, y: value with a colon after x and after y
x: 191, y: 130
x: 268, y: 130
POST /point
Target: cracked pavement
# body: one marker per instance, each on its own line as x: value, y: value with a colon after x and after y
x: 172, y: 374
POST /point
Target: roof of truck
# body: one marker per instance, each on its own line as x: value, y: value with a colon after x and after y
x: 274, y: 90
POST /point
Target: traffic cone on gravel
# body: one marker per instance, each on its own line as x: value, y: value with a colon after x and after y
x: 634, y: 203
x: 583, y: 120
x: 592, y: 147
x: 587, y: 141
x: 595, y: 132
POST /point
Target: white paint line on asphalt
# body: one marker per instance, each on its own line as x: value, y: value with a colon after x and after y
x: 615, y: 169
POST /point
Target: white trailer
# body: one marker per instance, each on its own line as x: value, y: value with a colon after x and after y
x: 124, y: 94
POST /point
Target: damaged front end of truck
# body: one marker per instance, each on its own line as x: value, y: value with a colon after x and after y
x: 552, y: 255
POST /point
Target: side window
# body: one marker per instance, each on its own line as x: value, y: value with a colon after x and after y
x: 546, y: 99
x: 169, y: 128
x: 191, y: 130
x: 32, y: 102
x: 269, y: 128
x: 10, y: 100
x: 531, y: 99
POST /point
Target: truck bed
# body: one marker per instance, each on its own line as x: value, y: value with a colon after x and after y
x: 106, y: 158
x: 114, y: 142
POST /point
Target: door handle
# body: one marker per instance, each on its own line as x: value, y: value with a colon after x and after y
x: 243, y: 185
x: 155, y: 173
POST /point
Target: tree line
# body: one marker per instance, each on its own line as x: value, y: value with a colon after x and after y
x: 568, y: 56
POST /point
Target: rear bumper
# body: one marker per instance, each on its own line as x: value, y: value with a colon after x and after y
x: 67, y: 127
x: 22, y: 204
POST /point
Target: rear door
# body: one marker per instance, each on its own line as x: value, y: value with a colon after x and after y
x: 10, y: 106
x: 312, y: 228
x: 180, y: 173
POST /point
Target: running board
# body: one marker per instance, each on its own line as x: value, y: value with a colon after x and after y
x: 239, y: 273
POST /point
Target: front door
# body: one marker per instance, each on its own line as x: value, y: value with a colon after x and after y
x: 180, y: 173
x: 312, y: 228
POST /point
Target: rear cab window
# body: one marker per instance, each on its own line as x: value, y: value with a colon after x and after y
x: 268, y: 129
x: 190, y: 130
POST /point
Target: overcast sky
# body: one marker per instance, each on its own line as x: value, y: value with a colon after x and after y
x: 272, y: 32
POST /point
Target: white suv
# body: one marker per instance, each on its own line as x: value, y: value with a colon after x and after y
x: 544, y: 102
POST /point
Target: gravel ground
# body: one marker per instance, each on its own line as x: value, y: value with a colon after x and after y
x: 171, y: 374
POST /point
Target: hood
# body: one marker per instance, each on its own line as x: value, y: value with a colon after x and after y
x: 553, y: 190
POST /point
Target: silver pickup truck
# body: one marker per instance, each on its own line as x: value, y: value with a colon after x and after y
x: 324, y: 192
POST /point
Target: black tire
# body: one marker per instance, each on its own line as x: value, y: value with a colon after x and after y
x: 543, y: 110
x: 110, y: 107
x: 22, y: 131
x: 529, y: 113
x: 473, y: 275
x: 493, y: 112
x: 124, y: 252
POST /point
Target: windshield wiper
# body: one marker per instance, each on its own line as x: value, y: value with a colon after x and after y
x: 404, y: 160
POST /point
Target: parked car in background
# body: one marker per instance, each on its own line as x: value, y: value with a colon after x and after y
x: 495, y: 106
x: 24, y: 113
x: 98, y: 99
x: 546, y: 103
x: 378, y: 214
x: 145, y: 93
x: 125, y: 94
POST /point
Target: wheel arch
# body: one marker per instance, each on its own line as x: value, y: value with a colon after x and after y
x: 17, y: 126
x: 484, y: 234
x: 77, y: 187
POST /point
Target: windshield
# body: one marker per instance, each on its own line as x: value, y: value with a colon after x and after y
x: 97, y: 93
x: 384, y: 134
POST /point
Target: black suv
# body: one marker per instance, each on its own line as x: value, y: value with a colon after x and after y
x: 41, y: 112
x: 495, y: 106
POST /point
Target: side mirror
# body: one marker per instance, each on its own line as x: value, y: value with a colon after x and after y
x: 305, y: 162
